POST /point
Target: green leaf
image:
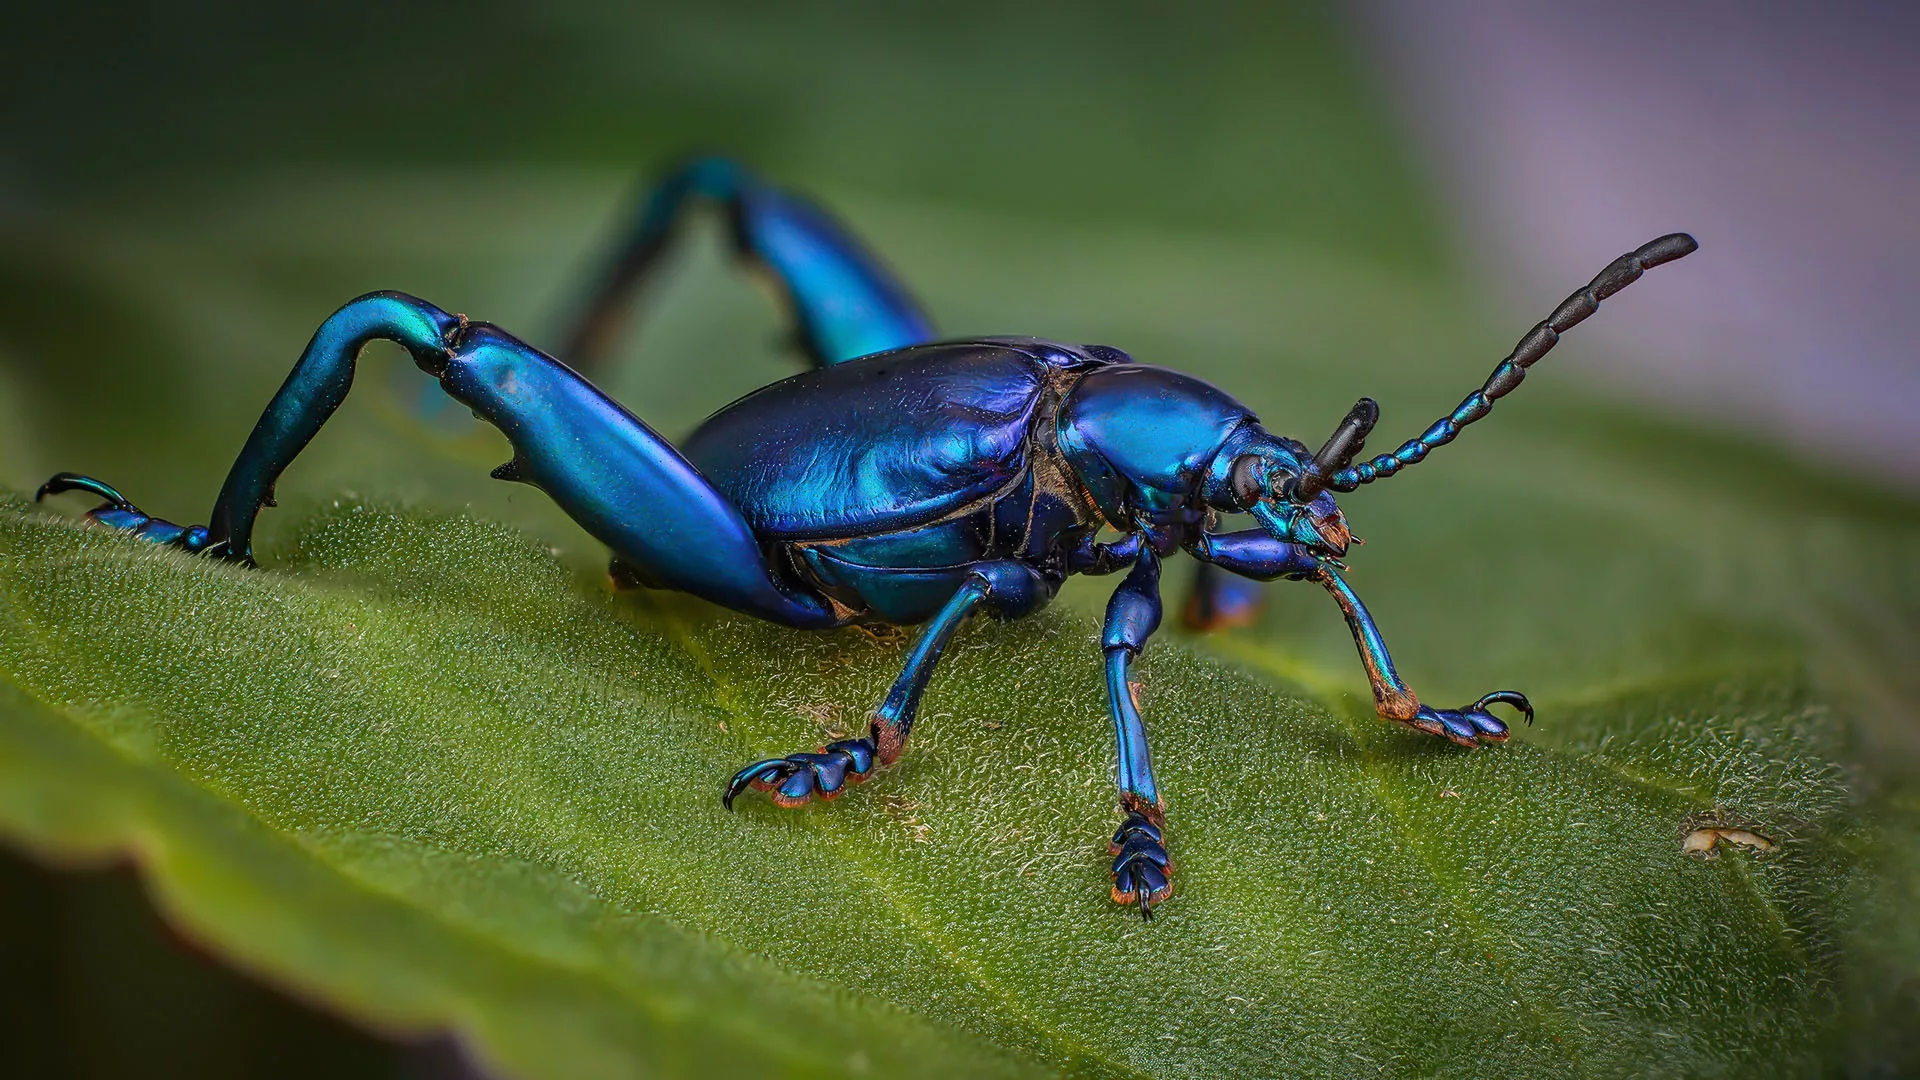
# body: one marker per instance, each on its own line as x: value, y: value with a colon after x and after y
x: 421, y: 770
x: 313, y: 830
x: 425, y: 769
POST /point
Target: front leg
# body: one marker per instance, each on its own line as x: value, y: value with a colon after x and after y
x: 1142, y: 870
x: 1470, y: 725
x: 1228, y: 566
x: 1255, y: 554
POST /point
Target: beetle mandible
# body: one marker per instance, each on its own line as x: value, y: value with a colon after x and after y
x: 903, y: 480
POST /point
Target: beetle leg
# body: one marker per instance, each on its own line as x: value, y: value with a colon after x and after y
x: 798, y: 778
x: 1253, y: 554
x: 620, y: 480
x: 1142, y: 871
x: 1219, y: 600
x: 1470, y: 725
x: 609, y: 471
x: 117, y: 513
x: 1095, y: 558
x: 1009, y: 587
x: 843, y: 300
x: 315, y: 388
x: 1224, y: 593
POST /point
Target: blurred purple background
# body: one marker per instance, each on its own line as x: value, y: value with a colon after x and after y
x: 1782, y: 136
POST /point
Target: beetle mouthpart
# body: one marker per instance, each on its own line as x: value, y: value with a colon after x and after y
x: 1334, y: 534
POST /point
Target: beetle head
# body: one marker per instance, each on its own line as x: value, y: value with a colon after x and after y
x: 1286, y: 491
x: 1265, y: 484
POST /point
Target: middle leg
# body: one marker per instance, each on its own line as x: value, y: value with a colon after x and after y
x: 1142, y: 870
x: 1219, y: 600
x: 1009, y: 587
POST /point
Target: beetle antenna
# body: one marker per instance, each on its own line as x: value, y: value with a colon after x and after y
x: 1538, y: 341
x: 1338, y: 451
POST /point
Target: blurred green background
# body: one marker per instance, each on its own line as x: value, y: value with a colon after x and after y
x: 185, y: 191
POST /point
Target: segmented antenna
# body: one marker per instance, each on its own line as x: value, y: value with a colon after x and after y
x: 1538, y: 341
x: 1338, y: 451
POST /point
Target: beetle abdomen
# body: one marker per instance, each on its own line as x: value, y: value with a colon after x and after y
x: 884, y: 443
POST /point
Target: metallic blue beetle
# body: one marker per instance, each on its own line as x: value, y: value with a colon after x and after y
x: 901, y: 481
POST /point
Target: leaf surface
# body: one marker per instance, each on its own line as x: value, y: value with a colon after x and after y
x: 422, y: 770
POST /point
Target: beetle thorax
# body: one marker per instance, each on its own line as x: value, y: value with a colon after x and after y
x: 1141, y: 439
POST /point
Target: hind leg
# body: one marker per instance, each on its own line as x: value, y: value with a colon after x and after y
x: 844, y: 301
x: 116, y: 512
x: 609, y: 471
x: 312, y: 391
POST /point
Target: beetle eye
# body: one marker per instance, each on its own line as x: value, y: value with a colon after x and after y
x: 1244, y: 480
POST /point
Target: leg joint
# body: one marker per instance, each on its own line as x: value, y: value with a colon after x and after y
x: 1011, y: 588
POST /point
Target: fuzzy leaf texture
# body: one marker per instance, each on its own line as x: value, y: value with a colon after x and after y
x: 422, y: 767
x: 426, y: 770
x: 419, y: 770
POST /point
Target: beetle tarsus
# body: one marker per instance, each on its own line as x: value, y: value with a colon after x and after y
x: 1142, y: 870
x: 797, y: 779
x: 62, y: 482
x: 117, y: 512
x: 1506, y: 697
x: 1473, y: 725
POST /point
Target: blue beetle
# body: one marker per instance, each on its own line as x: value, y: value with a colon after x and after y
x: 903, y: 480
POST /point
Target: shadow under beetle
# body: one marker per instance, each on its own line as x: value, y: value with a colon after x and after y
x: 903, y: 480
